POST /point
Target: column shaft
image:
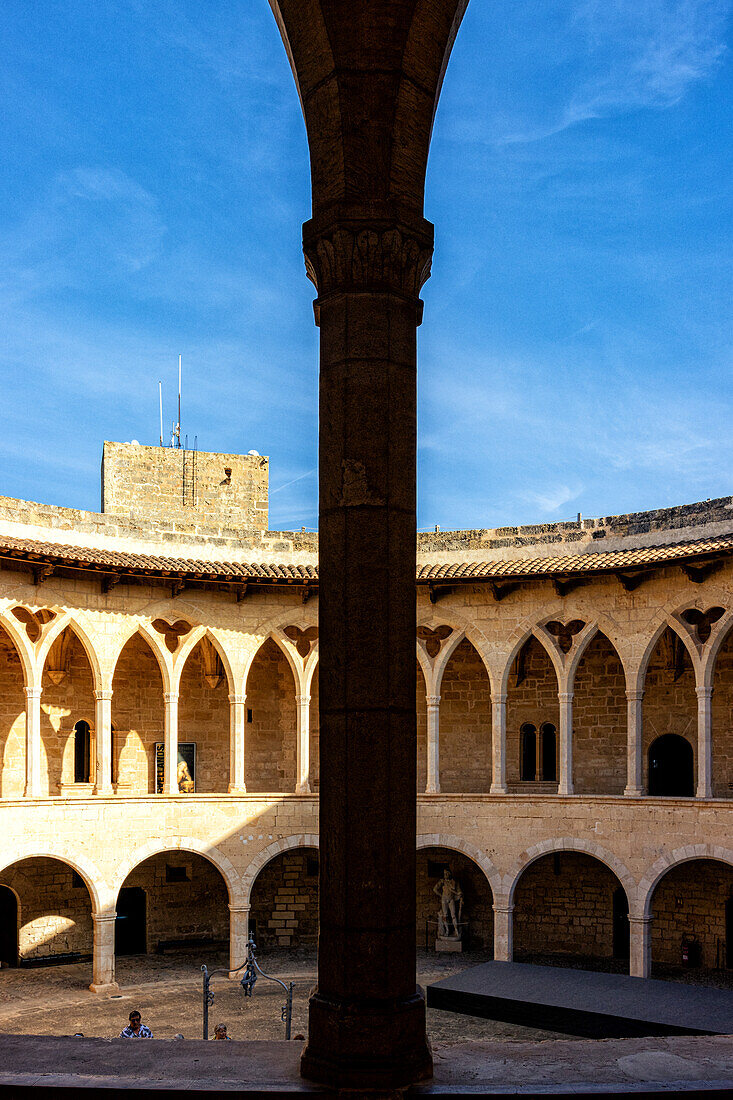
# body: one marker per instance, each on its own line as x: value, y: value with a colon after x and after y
x: 303, y: 783
x: 33, y: 742
x: 634, y: 741
x: 170, y: 772
x: 503, y: 932
x: 238, y: 935
x: 565, y: 699
x: 640, y: 947
x: 704, y: 742
x: 433, y: 778
x: 237, y: 727
x: 103, y: 738
x: 498, y: 744
x: 103, y: 964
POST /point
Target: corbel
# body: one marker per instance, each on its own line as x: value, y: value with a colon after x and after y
x: 109, y: 580
x: 499, y: 591
x: 630, y: 581
x: 439, y: 591
x: 40, y: 572
x: 700, y: 572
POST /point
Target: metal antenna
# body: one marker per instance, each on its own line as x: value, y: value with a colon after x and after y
x: 160, y: 395
x: 179, y: 401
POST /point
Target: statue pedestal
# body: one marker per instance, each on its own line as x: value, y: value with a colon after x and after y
x: 447, y: 943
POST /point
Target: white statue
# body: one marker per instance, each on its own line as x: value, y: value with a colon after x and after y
x: 451, y: 906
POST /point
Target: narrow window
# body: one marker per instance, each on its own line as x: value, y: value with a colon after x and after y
x: 528, y: 762
x: 549, y: 752
x: 81, y: 752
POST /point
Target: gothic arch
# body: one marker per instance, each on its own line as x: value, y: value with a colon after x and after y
x: 157, y: 649
x: 298, y: 840
x: 22, y: 647
x: 717, y: 640
x: 600, y: 625
x: 73, y: 624
x: 522, y: 635
x: 197, y: 635
x: 671, y: 622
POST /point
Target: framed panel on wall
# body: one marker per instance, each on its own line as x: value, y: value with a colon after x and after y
x: 186, y: 773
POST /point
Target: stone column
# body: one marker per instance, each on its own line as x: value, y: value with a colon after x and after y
x: 433, y: 708
x: 634, y: 741
x: 565, y: 785
x: 640, y: 945
x: 33, y: 742
x: 103, y: 965
x: 103, y: 739
x: 237, y: 725
x: 704, y: 742
x: 503, y: 932
x: 498, y: 744
x: 367, y: 1019
x: 238, y: 935
x: 170, y: 773
x: 303, y: 784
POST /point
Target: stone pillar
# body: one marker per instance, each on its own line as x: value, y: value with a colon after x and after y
x: 640, y: 945
x: 237, y: 717
x: 32, y: 742
x: 103, y: 965
x: 238, y: 935
x: 503, y: 932
x: 498, y: 744
x: 433, y: 708
x: 565, y: 785
x: 634, y: 742
x: 103, y: 740
x: 170, y: 772
x: 303, y: 784
x: 367, y: 1018
x: 704, y: 742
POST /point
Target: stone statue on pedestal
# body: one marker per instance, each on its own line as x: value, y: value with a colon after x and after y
x: 450, y: 913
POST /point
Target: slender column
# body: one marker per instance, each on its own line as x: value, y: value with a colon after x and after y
x: 103, y: 965
x: 503, y: 932
x: 237, y: 728
x: 640, y: 946
x: 170, y: 774
x: 433, y: 706
x: 498, y: 744
x: 566, y: 742
x: 302, y: 704
x: 103, y: 723
x: 367, y: 1019
x: 238, y: 935
x: 634, y: 739
x: 704, y: 742
x: 33, y: 742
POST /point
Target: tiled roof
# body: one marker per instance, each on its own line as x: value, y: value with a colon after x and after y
x: 115, y: 561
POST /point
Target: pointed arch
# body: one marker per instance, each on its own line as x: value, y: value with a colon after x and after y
x: 601, y: 624
x: 72, y: 623
x: 718, y: 638
x: 156, y: 647
x: 668, y: 621
x: 521, y: 636
x: 197, y: 635
x: 23, y: 648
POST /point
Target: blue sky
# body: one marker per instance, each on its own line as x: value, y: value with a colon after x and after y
x: 576, y: 348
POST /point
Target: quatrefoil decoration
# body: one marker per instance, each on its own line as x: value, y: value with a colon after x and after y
x: 564, y: 632
x: 172, y: 632
x: 303, y: 639
x: 33, y: 621
x: 703, y: 621
x: 434, y: 639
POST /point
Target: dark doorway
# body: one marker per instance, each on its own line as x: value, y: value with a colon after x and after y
x: 671, y: 767
x: 81, y: 752
x: 620, y: 924
x: 528, y: 763
x: 549, y: 752
x: 130, y: 938
x: 8, y: 927
x: 729, y: 934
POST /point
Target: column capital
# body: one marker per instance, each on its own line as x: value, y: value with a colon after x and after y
x: 239, y: 908
x: 642, y: 921
x: 237, y: 698
x: 32, y: 692
x: 503, y: 907
x: 499, y: 698
x: 565, y: 696
x: 108, y: 917
x: 704, y: 692
x: 635, y: 695
x: 170, y: 696
x: 103, y: 695
x: 432, y: 700
x: 302, y: 700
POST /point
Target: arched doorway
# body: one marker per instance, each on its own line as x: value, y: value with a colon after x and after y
x: 671, y: 766
x: 567, y: 911
x: 691, y: 909
x: 138, y: 717
x: 12, y: 719
x: 53, y: 911
x: 173, y: 901
x: 465, y: 723
x: 532, y: 706
x: 284, y: 901
x: 8, y: 927
x: 478, y: 913
x: 270, y: 757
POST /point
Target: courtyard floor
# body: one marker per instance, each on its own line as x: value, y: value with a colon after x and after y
x: 167, y: 990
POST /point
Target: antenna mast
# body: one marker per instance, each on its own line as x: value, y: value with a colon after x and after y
x: 178, y: 432
x: 160, y: 395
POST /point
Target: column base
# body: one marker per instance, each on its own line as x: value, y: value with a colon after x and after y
x: 432, y: 790
x: 107, y: 987
x: 104, y: 792
x: 498, y: 788
x: 234, y: 789
x: 303, y: 788
x: 368, y: 1044
x: 703, y: 793
x: 634, y: 792
x: 565, y: 790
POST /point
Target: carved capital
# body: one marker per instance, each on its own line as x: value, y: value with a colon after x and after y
x: 359, y: 257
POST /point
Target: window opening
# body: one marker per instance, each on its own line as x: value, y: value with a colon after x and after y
x: 81, y: 752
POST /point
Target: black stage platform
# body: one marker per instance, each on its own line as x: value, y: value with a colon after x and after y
x: 582, y: 1002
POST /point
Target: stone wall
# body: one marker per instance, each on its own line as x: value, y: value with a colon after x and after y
x: 271, y: 735
x: 138, y: 717
x: 599, y: 721
x: 197, y: 907
x: 285, y: 901
x: 690, y: 901
x: 534, y: 700
x: 12, y: 720
x: 465, y: 723
x: 477, y: 899
x: 670, y: 705
x: 723, y: 721
x: 55, y: 915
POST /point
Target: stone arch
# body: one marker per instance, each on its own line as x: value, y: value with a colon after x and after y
x: 297, y: 840
x: 601, y: 624
x: 296, y: 666
x: 465, y: 756
x: 156, y: 646
x: 211, y: 853
x: 197, y: 635
x: 568, y: 844
x: 22, y: 645
x: 657, y: 871
x: 73, y: 624
x: 466, y: 848
x: 204, y: 711
x: 673, y: 624
x: 718, y: 638
x: 669, y: 702
x: 102, y: 897
x: 13, y: 715
x: 270, y: 760
x: 598, y: 681
x: 519, y: 639
x: 139, y: 685
x: 462, y: 628
x: 70, y: 673
x: 533, y: 699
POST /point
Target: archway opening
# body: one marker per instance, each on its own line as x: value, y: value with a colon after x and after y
x: 138, y: 717
x: 12, y: 718
x: 173, y: 902
x: 203, y: 719
x: 477, y: 915
x: 315, y: 731
x: 421, y: 710
x: 67, y: 715
x: 465, y: 723
x: 284, y: 900
x: 691, y: 929
x: 8, y: 927
x: 270, y: 757
x: 722, y: 707
x: 532, y: 705
x: 670, y: 707
x: 671, y: 766
x: 599, y: 721
x: 567, y: 912
x: 53, y: 912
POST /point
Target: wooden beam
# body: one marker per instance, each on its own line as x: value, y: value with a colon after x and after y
x: 241, y: 591
x: 563, y: 585
x: 630, y: 581
x: 499, y: 591
x: 109, y: 580
x: 40, y: 572
x: 698, y: 573
x: 438, y: 591
x: 177, y: 587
